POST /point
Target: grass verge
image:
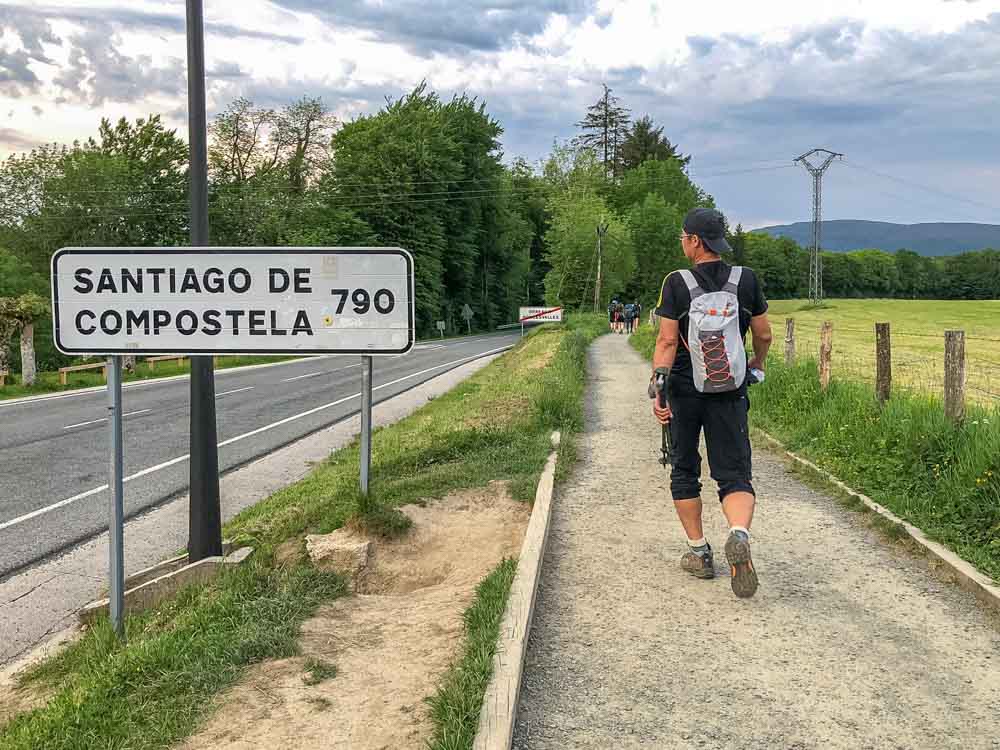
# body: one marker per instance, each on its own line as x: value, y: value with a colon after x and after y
x: 155, y: 688
x: 455, y: 706
x: 942, y: 478
x: 48, y: 382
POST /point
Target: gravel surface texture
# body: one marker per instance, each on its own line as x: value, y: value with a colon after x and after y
x: 849, y: 643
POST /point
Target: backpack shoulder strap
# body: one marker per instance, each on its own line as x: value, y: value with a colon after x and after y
x: 733, y: 285
x: 692, y: 283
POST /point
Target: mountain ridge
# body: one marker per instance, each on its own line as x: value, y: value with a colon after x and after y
x: 926, y: 238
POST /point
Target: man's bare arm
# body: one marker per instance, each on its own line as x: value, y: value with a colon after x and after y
x: 666, y: 344
x: 760, y: 327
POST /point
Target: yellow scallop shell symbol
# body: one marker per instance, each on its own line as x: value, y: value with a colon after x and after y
x: 328, y: 320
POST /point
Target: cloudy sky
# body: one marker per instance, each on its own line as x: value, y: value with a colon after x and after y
x: 906, y: 89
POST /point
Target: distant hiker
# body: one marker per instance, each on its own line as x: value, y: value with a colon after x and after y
x: 612, y: 311
x: 709, y: 310
x: 629, y: 316
x: 619, y: 317
x: 638, y: 316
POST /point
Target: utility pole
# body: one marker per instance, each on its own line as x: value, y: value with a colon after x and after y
x: 204, y: 512
x: 602, y: 229
x: 815, y: 258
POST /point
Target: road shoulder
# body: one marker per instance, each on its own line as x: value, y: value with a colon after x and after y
x: 42, y: 601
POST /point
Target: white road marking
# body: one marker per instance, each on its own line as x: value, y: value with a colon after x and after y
x: 238, y: 390
x: 300, y: 377
x: 156, y: 381
x: 104, y: 419
x: 244, y: 436
x: 314, y: 374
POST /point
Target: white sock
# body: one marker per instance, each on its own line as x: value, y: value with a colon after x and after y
x: 695, y: 543
x: 740, y: 528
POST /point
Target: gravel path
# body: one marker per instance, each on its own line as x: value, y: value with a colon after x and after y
x: 848, y: 644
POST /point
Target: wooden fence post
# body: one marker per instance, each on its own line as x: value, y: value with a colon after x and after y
x: 954, y: 375
x: 789, y: 341
x: 883, y: 363
x: 825, y: 352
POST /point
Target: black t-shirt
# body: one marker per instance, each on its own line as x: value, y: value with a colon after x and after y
x: 675, y: 301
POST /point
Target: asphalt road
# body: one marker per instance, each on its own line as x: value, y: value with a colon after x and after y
x: 54, y: 451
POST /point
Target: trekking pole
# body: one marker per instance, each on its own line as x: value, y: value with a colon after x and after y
x: 666, y: 438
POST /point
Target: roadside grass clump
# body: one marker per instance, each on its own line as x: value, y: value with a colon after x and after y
x: 317, y: 671
x: 942, y: 478
x: 154, y: 688
x: 455, y: 706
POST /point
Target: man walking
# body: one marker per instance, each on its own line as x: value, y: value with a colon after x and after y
x: 705, y: 314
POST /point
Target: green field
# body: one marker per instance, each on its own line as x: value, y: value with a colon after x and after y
x: 917, y: 328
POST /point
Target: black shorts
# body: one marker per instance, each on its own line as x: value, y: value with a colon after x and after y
x: 727, y: 437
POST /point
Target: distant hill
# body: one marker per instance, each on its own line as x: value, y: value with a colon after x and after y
x: 942, y: 238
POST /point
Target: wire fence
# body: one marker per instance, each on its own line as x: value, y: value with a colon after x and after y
x: 917, y: 359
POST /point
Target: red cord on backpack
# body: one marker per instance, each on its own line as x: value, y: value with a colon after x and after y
x: 716, y: 360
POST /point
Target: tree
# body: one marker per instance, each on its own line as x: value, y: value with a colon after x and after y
x: 605, y: 130
x: 528, y: 195
x: 572, y: 250
x: 426, y: 175
x: 738, y: 241
x: 654, y: 228
x: 20, y: 314
x: 302, y: 133
x: 239, y: 147
x: 645, y: 142
x: 125, y: 187
x: 665, y: 178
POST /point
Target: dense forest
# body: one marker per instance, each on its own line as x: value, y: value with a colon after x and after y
x: 426, y: 174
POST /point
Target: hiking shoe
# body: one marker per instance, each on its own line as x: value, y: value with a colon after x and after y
x: 744, y: 577
x: 700, y: 566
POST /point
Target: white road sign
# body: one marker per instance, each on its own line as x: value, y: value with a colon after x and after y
x: 228, y: 300
x: 540, y: 315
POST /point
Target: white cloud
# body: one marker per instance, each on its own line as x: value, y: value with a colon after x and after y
x: 900, y: 84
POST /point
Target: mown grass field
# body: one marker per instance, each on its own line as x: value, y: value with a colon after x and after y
x: 156, y: 688
x: 917, y: 328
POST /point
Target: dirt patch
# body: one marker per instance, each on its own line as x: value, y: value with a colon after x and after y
x: 390, y: 645
x: 16, y: 700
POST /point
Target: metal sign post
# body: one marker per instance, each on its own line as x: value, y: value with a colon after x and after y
x: 366, y: 422
x: 116, y: 526
x: 206, y: 301
x: 204, y: 510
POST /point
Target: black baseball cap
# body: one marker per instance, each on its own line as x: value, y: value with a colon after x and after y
x: 710, y: 225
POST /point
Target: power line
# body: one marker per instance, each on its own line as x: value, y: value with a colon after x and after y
x: 251, y: 185
x: 918, y: 186
x: 343, y: 201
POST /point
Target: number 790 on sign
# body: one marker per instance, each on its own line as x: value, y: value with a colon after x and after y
x: 362, y: 300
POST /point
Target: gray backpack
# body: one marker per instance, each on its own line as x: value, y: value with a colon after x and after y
x: 718, y: 357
